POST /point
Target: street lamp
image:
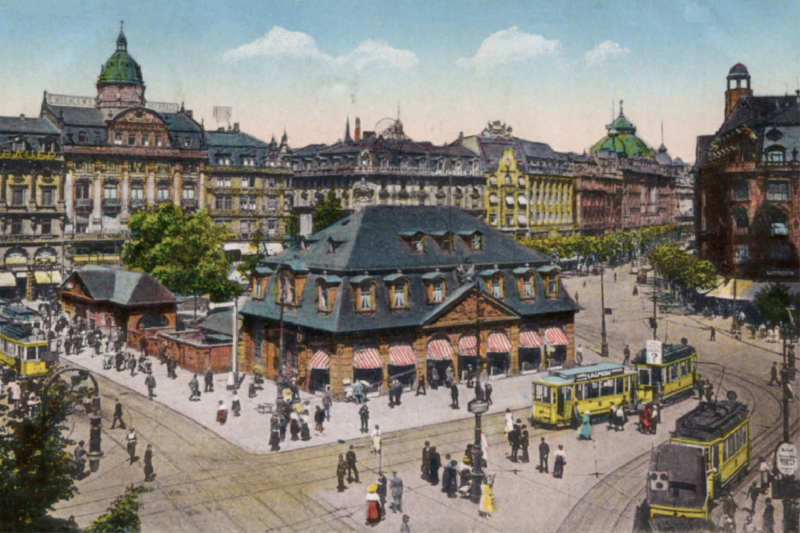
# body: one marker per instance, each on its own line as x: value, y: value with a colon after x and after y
x: 95, y: 420
x: 477, y: 407
x: 604, y: 338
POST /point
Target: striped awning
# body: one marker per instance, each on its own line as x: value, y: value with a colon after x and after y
x: 468, y: 346
x: 556, y: 336
x: 402, y: 355
x: 440, y: 350
x: 530, y: 339
x: 499, y: 343
x: 367, y: 358
x: 321, y: 360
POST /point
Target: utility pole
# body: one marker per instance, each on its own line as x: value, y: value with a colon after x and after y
x: 655, y: 306
x: 235, y: 347
x: 604, y: 338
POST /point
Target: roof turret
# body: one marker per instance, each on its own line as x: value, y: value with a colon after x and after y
x: 121, y: 67
x: 622, y: 140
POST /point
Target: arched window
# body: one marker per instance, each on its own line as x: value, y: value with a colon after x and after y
x: 153, y: 321
x: 400, y: 294
x: 527, y: 287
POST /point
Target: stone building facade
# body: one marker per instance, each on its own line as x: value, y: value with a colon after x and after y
x: 748, y: 185
x: 394, y: 292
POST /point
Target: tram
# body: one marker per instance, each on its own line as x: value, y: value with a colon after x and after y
x: 710, y: 450
x: 667, y: 374
x: 593, y: 388
x: 25, y: 350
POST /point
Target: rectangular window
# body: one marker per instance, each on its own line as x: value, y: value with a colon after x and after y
x: 438, y: 290
x: 775, y: 156
x: 366, y: 298
x: 118, y: 138
x: 580, y: 391
x: 48, y: 195
x: 552, y: 286
x: 593, y: 389
x: 188, y: 193
x: 110, y: 192
x: 131, y: 139
x: 224, y: 182
x: 247, y: 203
x: 509, y: 220
x: 248, y: 161
x: 17, y: 197
x: 620, y: 385
x: 288, y: 290
x: 258, y: 288
x: 607, y: 387
x: 493, y: 219
x: 159, y: 141
x: 272, y: 203
x: 16, y: 227
x: 674, y: 372
x: 778, y: 191
x: 137, y: 192
x: 47, y: 226
x: 245, y: 227
x: 497, y: 287
x: 780, y: 252
x: 146, y: 140
x: 742, y: 254
x: 418, y: 243
x: 399, y: 295
x: 527, y: 286
x: 323, y: 298
x: 163, y: 194
x: 477, y: 241
x: 248, y: 183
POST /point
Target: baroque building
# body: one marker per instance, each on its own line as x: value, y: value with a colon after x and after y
x: 32, y: 206
x: 748, y: 184
x: 386, y: 167
x: 394, y: 292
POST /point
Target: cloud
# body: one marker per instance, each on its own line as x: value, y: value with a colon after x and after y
x: 605, y: 51
x: 282, y: 43
x: 279, y: 43
x: 508, y: 46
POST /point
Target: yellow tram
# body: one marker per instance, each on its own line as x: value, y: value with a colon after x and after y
x: 710, y: 450
x: 593, y: 388
x: 667, y: 373
x: 25, y: 350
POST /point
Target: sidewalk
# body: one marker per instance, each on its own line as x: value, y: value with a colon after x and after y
x: 251, y: 429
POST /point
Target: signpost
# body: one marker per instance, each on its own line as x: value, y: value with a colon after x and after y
x: 786, y: 459
x: 477, y: 407
x: 655, y: 352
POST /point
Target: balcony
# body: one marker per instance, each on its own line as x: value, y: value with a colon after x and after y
x: 84, y: 204
x: 111, y: 205
x: 189, y: 203
x: 137, y: 204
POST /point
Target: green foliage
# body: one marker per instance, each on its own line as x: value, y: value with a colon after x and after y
x: 328, y: 212
x: 123, y: 515
x: 773, y: 303
x: 250, y: 262
x: 683, y: 268
x: 183, y: 251
x: 36, y: 469
x: 293, y: 222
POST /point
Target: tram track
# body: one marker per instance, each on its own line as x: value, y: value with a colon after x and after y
x: 609, y: 506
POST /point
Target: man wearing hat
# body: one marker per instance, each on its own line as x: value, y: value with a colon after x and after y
x: 397, y: 493
x: 341, y: 470
x: 768, y: 518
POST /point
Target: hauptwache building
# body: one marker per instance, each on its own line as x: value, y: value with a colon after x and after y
x: 396, y: 291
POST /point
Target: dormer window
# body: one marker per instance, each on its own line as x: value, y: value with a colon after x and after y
x: 477, y: 241
x: 400, y: 295
x: 131, y: 139
x: 323, y: 301
x: 187, y: 142
x: 258, y: 288
x: 366, y: 296
x: 287, y: 293
x: 550, y: 278
x: 526, y: 285
x: 118, y: 138
x: 497, y: 285
x: 82, y: 137
x: 418, y: 243
x: 552, y: 286
x: 439, y: 287
x: 159, y: 141
x: 248, y: 161
x: 146, y: 140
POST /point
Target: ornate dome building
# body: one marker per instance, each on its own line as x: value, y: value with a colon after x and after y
x: 120, y: 84
x: 622, y: 140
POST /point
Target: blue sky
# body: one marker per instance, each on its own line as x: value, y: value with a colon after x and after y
x: 549, y: 69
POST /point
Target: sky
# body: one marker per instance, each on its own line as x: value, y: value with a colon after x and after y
x: 553, y: 71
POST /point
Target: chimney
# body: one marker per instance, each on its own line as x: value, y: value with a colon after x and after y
x: 235, y: 126
x: 358, y: 129
x: 22, y: 117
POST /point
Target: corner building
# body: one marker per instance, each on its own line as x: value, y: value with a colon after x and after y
x: 394, y: 292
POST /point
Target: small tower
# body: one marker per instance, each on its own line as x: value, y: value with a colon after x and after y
x: 358, y: 129
x: 738, y: 74
x: 347, y: 137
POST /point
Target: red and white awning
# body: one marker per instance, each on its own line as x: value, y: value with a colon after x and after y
x: 367, y: 358
x: 530, y: 339
x: 499, y: 343
x: 556, y: 336
x: 321, y: 360
x: 440, y: 350
x: 402, y: 355
x: 468, y: 346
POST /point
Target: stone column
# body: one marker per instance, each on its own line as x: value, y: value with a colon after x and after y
x: 98, y: 199
x: 201, y: 197
x: 176, y: 193
x: 3, y: 180
x: 150, y: 192
x: 68, y: 196
x: 125, y: 195
x: 32, y: 199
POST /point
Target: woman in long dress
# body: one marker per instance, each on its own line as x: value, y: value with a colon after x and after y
x: 373, y: 506
x: 487, y: 498
x: 586, y: 427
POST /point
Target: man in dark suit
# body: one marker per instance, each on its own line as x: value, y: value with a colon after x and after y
x: 544, y: 454
x: 118, y: 416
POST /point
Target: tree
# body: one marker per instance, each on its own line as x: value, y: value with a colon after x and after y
x: 328, y: 212
x: 183, y: 251
x: 250, y: 262
x: 36, y: 470
x: 293, y: 223
x: 123, y: 515
x: 773, y: 304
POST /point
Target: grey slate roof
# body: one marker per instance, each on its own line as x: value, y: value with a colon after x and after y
x: 122, y: 287
x: 34, y: 126
x: 220, y: 322
x: 372, y: 248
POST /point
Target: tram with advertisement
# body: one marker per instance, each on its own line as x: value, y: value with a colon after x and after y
x: 25, y: 349
x: 666, y: 373
x: 709, y: 451
x: 594, y: 388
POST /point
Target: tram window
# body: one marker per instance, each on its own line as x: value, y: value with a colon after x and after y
x: 644, y: 377
x: 20, y: 352
x: 31, y: 353
x: 620, y: 385
x: 684, y: 368
x: 658, y: 375
x: 593, y: 389
x: 607, y: 387
x: 714, y: 450
x: 567, y: 393
x: 579, y: 392
x: 44, y: 352
x: 674, y: 372
x: 543, y: 393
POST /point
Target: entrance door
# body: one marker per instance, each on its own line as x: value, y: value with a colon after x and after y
x: 565, y: 401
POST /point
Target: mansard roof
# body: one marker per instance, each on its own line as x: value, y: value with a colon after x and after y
x: 26, y: 125
x: 122, y: 287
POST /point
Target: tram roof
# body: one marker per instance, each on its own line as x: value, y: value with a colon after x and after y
x: 710, y: 421
x: 685, y: 466
x: 672, y: 353
x: 16, y: 332
x: 585, y: 373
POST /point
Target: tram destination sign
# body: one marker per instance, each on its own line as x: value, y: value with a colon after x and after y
x: 597, y: 374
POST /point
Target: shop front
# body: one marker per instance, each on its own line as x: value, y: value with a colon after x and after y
x: 319, y: 371
x: 499, y: 354
x: 368, y: 367
x: 440, y: 357
x: 557, y: 342
x: 467, y: 356
x: 530, y: 351
x: 402, y: 363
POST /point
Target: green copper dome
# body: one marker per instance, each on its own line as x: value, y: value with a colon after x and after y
x: 121, y: 67
x: 622, y: 140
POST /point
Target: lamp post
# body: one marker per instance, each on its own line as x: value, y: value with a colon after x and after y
x: 477, y: 407
x: 95, y: 420
x: 604, y: 338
